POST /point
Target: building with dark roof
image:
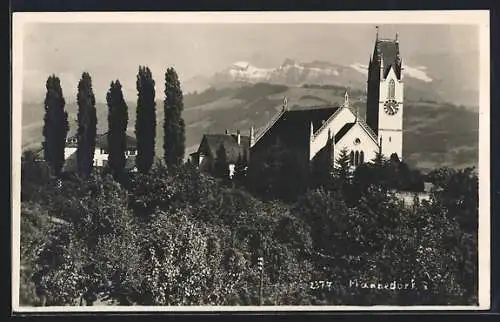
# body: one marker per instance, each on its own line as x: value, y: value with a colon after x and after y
x: 235, y: 146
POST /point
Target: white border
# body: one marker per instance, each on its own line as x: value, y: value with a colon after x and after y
x: 476, y: 17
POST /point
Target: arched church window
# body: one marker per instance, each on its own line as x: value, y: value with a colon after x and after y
x: 356, y: 158
x: 361, y: 157
x: 351, y: 156
x: 392, y: 89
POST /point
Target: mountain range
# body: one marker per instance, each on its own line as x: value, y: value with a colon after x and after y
x: 448, y: 80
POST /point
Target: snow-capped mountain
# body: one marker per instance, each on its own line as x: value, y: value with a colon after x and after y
x: 289, y: 73
x: 292, y: 73
x: 417, y: 73
x: 421, y: 83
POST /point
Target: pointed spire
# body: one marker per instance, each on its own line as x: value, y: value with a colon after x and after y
x: 285, y: 103
x: 346, y: 99
x: 252, y: 136
x: 397, y: 36
x: 357, y: 113
x: 312, y: 130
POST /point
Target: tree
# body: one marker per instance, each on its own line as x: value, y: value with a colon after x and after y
x: 83, y: 259
x: 174, y: 128
x: 379, y: 160
x: 240, y: 168
x: 117, y: 127
x: 221, y: 166
x: 342, y: 166
x: 459, y: 195
x: 323, y: 166
x: 145, y: 124
x: 56, y: 126
x: 87, y: 125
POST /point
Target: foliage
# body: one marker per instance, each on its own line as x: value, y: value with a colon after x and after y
x: 84, y: 258
x: 458, y: 193
x: 35, y: 176
x: 390, y: 174
x: 145, y: 123
x: 241, y: 168
x: 278, y: 174
x: 221, y: 166
x: 174, y: 128
x: 87, y: 125
x: 56, y: 127
x: 420, y: 246
x: 35, y: 233
x: 117, y: 128
x: 342, y: 166
x: 323, y: 166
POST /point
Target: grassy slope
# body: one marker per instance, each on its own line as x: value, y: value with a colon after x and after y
x: 435, y: 134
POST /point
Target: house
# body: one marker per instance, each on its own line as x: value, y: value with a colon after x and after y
x: 235, y: 146
x: 100, y: 153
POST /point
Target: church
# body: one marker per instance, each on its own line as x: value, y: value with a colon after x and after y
x: 308, y: 130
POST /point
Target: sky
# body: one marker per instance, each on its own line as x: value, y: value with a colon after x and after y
x: 110, y: 51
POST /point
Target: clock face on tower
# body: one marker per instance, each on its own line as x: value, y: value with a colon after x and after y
x: 391, y: 107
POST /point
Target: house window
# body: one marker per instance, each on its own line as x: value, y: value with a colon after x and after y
x: 389, y: 139
x: 392, y: 89
x: 352, y: 158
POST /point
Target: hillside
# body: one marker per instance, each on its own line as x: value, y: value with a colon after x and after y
x: 436, y: 134
x: 436, y: 77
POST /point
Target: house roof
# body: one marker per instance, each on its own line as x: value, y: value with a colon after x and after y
x: 388, y: 51
x: 214, y: 141
x: 101, y: 141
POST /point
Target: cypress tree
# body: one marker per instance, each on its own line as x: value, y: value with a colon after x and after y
x: 117, y: 128
x: 173, y: 126
x: 87, y: 125
x: 145, y: 123
x: 56, y: 126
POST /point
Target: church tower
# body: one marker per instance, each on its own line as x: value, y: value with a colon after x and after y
x: 384, y: 110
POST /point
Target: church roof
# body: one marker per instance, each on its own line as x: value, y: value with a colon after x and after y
x: 299, y: 118
x: 230, y: 142
x: 101, y: 141
x: 340, y: 134
x: 388, y: 51
x: 315, y: 114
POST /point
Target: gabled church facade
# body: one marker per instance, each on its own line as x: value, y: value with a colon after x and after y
x: 307, y: 131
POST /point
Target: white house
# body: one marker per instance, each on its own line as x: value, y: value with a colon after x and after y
x: 101, y: 152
